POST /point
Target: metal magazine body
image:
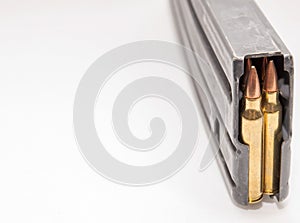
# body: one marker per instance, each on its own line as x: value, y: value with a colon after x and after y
x: 224, y: 34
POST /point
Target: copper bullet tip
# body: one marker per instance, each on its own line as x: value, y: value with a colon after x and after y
x: 270, y: 82
x: 252, y: 86
x: 246, y: 73
x: 263, y: 70
x: 248, y: 65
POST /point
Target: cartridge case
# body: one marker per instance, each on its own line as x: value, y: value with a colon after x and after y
x: 272, y: 112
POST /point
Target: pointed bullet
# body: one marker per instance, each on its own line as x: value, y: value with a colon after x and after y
x: 270, y: 82
x: 247, y: 70
x: 252, y: 85
x: 263, y: 68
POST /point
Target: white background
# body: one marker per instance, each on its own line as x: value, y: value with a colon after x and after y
x: 45, y: 48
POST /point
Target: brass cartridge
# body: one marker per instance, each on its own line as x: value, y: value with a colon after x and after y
x: 272, y: 134
x: 251, y: 132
